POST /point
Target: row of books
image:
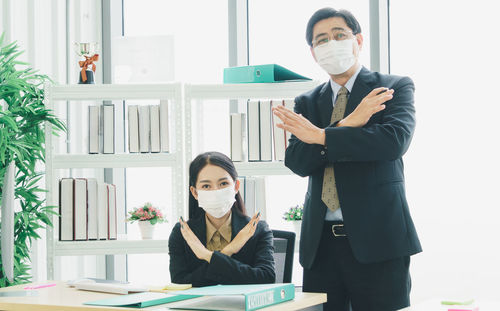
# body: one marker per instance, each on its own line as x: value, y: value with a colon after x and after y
x: 255, y: 135
x: 87, y: 210
x: 148, y: 128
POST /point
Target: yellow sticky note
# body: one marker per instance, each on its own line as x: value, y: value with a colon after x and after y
x: 173, y: 286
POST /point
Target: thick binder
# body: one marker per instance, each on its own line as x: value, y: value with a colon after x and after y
x: 236, y: 297
x: 94, y: 129
x: 140, y: 300
x: 80, y: 217
x: 279, y: 136
x: 253, y: 130
x: 66, y: 209
x: 260, y: 74
x: 133, y: 128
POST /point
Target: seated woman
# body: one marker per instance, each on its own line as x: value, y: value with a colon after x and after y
x: 219, y: 244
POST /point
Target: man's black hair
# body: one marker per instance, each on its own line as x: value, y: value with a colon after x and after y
x: 325, y: 13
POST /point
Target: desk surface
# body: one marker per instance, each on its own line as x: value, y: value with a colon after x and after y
x: 62, y: 298
x: 435, y: 305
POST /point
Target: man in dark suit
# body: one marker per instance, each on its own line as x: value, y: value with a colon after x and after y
x: 349, y: 136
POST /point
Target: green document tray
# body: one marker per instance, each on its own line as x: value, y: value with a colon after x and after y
x: 260, y: 74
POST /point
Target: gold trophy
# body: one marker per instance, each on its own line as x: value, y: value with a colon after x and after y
x: 89, y: 51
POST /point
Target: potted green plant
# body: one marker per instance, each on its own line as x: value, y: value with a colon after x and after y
x: 22, y: 149
x: 147, y: 216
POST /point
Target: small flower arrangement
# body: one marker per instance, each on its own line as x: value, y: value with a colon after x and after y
x: 294, y: 213
x: 146, y: 212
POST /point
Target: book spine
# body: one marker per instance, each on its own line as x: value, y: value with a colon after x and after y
x: 250, y: 196
x: 66, y: 209
x: 80, y: 217
x: 155, y: 128
x: 279, y: 138
x: 144, y: 129
x: 133, y: 129
x: 93, y: 129
x: 102, y: 211
x: 164, y: 131
x: 112, y: 225
x: 253, y: 132
x: 92, y: 208
x: 290, y: 105
x: 265, y: 130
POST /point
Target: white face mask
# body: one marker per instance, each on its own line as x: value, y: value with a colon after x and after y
x: 217, y: 202
x: 336, y: 57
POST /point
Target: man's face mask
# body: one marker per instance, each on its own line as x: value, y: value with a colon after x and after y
x: 217, y: 202
x: 336, y: 57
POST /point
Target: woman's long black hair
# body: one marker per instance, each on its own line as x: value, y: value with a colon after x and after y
x: 222, y: 161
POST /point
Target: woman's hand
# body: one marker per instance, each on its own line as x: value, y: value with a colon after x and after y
x: 200, y: 251
x: 242, y: 237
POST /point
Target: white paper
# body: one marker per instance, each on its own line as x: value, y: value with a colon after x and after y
x: 143, y: 59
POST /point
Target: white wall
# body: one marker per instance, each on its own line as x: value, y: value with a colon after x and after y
x: 452, y: 51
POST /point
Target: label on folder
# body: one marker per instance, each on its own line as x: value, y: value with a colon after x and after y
x: 236, y: 297
x: 260, y: 74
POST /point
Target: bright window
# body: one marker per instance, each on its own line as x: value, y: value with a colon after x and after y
x: 200, y: 53
x: 450, y: 50
x: 199, y: 28
x: 279, y: 37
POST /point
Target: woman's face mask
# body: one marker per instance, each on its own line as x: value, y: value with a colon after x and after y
x: 217, y: 202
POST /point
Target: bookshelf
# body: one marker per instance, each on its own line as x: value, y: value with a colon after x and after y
x: 73, y: 94
x: 242, y: 91
x: 182, y: 97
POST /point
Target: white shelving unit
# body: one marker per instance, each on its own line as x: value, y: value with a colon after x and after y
x: 181, y: 97
x: 174, y: 160
x: 200, y: 92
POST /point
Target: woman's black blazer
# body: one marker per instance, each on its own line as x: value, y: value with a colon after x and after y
x: 253, y: 264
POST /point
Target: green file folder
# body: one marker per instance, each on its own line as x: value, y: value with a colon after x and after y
x: 140, y: 300
x: 236, y: 297
x: 260, y: 74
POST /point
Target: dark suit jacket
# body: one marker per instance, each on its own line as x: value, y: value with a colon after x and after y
x: 253, y: 264
x: 368, y: 170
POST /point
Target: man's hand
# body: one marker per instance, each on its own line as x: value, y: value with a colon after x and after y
x: 242, y: 237
x: 370, y: 105
x: 299, y: 126
x: 194, y: 243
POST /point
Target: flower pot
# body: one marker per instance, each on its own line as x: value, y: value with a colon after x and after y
x: 147, y: 229
x: 296, y: 228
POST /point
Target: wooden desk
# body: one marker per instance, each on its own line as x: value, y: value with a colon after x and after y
x: 435, y: 305
x: 64, y: 298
